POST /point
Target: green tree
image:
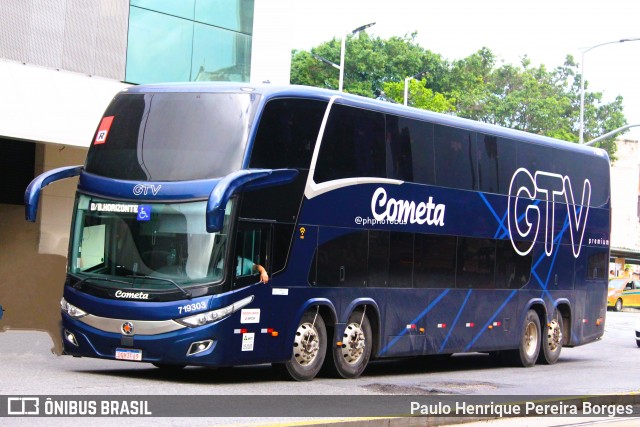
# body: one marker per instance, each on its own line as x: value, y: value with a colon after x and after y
x: 419, y: 96
x: 370, y: 63
x: 525, y: 97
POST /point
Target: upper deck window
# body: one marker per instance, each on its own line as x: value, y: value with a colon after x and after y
x: 287, y: 133
x: 353, y: 145
x: 173, y: 136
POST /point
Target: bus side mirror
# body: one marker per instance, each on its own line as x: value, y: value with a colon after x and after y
x: 247, y: 179
x: 32, y: 193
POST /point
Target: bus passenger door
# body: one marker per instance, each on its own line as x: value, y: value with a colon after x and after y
x: 252, y: 249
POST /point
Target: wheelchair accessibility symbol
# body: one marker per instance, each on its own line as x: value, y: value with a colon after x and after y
x: 144, y: 213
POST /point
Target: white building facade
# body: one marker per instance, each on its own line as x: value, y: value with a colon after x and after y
x: 625, y: 202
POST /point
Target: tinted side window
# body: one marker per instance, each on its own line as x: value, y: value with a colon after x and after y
x: 353, y: 145
x: 455, y: 158
x: 580, y: 167
x: 253, y: 248
x: 512, y: 270
x: 496, y: 163
x: 417, y: 136
x: 597, y: 266
x: 535, y: 158
x: 117, y: 157
x: 476, y: 263
x: 398, y: 146
x: 172, y: 136
x: 287, y: 133
x: 577, y: 166
x: 343, y: 261
x: 435, y: 261
x: 378, y: 259
x: 281, y: 243
x: 401, y: 260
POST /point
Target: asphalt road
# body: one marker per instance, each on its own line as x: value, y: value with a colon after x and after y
x: 609, y: 366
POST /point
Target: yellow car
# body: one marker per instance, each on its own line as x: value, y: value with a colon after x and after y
x: 623, y: 293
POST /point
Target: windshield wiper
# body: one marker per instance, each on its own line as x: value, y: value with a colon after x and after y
x: 163, y: 279
x: 79, y: 283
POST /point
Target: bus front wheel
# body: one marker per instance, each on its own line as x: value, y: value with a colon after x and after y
x: 352, y: 351
x: 529, y: 348
x: 309, y: 348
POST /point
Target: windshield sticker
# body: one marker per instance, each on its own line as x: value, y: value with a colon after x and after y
x: 103, y: 130
x: 144, y: 213
x: 114, y: 207
x: 247, y: 341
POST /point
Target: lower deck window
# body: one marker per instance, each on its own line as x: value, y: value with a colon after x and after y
x: 408, y: 260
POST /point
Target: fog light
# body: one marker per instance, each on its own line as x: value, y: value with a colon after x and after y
x: 70, y: 337
x: 199, y: 347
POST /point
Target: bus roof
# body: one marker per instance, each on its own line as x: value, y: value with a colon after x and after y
x: 275, y: 91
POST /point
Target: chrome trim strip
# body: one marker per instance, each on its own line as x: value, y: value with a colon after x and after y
x: 140, y: 327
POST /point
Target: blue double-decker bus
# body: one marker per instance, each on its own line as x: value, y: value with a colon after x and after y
x: 219, y: 225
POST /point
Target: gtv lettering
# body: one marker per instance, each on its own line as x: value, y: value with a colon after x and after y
x: 142, y: 189
x: 405, y: 211
x: 547, y: 187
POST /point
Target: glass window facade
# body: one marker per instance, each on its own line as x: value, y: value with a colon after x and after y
x: 189, y: 40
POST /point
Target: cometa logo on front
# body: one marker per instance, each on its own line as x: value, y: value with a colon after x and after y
x: 132, y: 295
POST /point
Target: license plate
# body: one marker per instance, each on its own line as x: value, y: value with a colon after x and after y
x: 128, y: 354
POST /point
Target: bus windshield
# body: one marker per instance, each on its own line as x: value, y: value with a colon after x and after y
x: 157, y: 246
x: 172, y: 136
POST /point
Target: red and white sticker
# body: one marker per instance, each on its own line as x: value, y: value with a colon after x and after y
x: 250, y: 315
x: 103, y: 130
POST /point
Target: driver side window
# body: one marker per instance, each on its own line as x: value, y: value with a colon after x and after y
x: 252, y: 249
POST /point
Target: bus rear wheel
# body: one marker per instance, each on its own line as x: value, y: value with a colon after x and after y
x: 527, y: 353
x: 351, y: 357
x: 309, y: 349
x: 552, y: 339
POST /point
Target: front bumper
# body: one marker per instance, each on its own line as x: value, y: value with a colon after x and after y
x: 224, y: 344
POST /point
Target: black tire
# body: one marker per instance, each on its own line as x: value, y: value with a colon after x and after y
x: 351, y: 359
x: 309, y: 349
x: 527, y: 353
x: 638, y: 343
x: 552, y: 339
x: 618, y: 306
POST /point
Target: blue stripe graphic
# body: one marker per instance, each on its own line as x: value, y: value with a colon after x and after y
x: 417, y: 319
x: 455, y: 321
x: 490, y: 321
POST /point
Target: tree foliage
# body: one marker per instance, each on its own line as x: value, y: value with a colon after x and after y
x: 525, y: 97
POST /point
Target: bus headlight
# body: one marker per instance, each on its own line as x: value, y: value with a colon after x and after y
x: 214, y: 315
x: 71, y: 309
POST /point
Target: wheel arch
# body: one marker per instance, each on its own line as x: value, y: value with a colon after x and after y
x: 373, y: 313
x: 537, y: 305
x: 326, y: 309
x: 563, y: 306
